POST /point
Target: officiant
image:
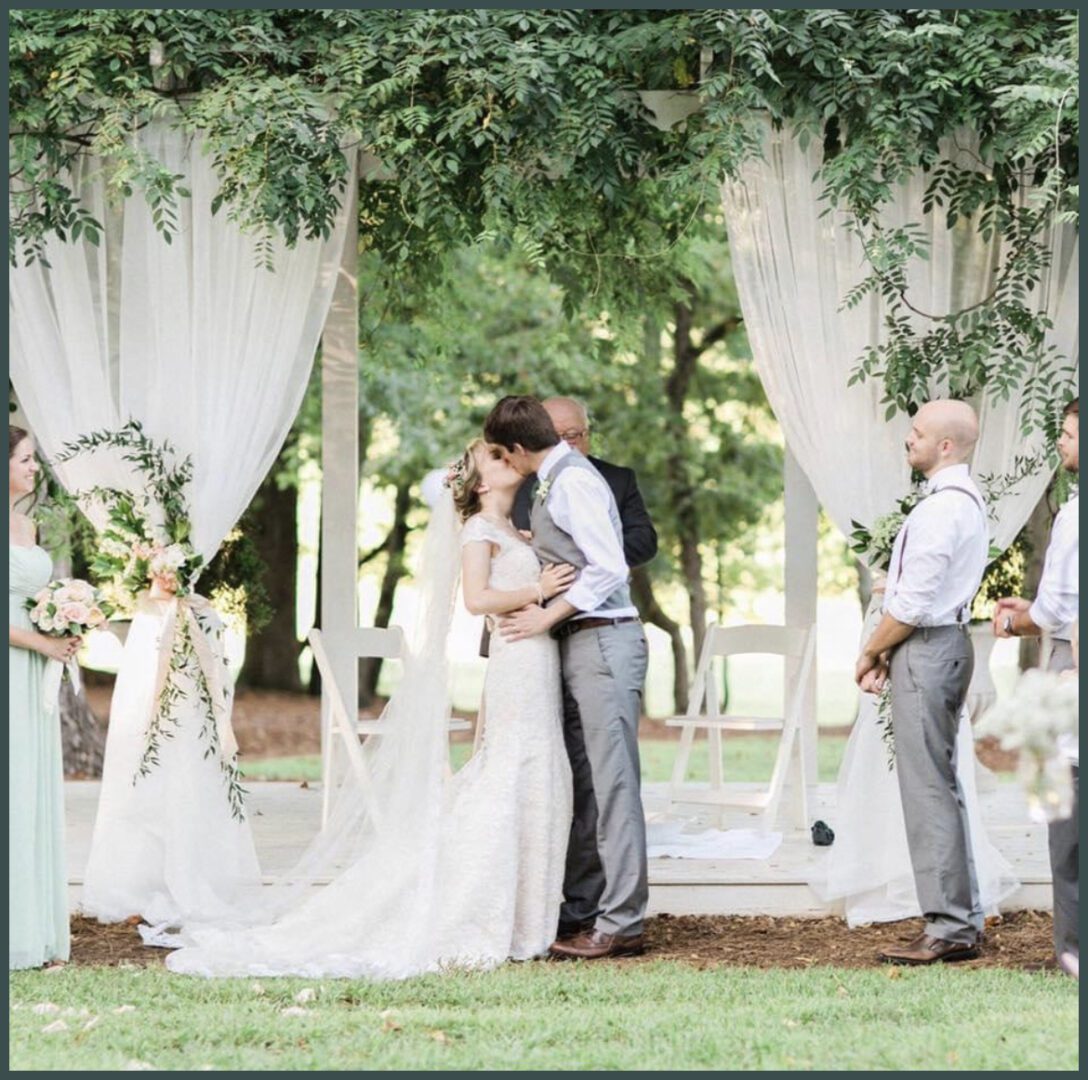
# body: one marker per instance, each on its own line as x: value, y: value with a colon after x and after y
x: 922, y: 645
x: 570, y: 418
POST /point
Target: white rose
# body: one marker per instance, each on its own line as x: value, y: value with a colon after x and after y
x: 84, y: 591
x: 174, y: 557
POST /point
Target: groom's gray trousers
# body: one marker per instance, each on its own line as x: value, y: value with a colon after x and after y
x: 930, y: 672
x: 604, y: 670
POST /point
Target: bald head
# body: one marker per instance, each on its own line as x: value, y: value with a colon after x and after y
x: 955, y: 421
x: 944, y: 432
x: 570, y: 419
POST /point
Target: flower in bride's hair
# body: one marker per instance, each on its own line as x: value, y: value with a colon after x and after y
x: 455, y: 475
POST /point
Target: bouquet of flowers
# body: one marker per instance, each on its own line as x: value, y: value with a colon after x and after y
x: 68, y: 606
x: 1039, y: 717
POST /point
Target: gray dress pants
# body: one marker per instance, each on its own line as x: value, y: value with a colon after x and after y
x: 603, y: 674
x: 1064, y: 839
x: 930, y: 672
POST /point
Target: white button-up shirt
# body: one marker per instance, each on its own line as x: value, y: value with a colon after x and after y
x: 1055, y: 605
x: 940, y: 554
x: 578, y: 503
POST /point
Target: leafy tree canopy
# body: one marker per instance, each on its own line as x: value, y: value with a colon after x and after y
x: 528, y: 125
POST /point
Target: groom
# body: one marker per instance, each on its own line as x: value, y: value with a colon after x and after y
x: 603, y: 653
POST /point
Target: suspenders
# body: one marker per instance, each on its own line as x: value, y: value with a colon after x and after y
x: 903, y: 547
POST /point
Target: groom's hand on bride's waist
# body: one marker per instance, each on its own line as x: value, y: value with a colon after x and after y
x: 533, y: 620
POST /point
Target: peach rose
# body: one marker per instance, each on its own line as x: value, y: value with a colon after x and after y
x: 66, y: 594
x: 73, y: 612
x: 96, y: 617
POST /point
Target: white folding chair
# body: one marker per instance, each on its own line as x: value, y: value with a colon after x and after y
x: 341, y: 727
x: 704, y: 713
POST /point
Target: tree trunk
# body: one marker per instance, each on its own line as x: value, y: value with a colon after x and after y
x: 682, y: 491
x: 314, y: 685
x: 82, y: 736
x: 271, y: 661
x: 642, y: 592
x: 1038, y: 536
x: 370, y: 668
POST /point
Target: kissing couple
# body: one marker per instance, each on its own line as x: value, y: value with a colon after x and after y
x: 537, y: 845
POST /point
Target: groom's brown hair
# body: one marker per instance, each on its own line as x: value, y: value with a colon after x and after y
x: 520, y: 419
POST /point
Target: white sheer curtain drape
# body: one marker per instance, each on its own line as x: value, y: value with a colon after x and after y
x: 212, y: 352
x: 794, y: 262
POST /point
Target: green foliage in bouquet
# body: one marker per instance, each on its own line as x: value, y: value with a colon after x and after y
x: 873, y: 544
x: 147, y: 532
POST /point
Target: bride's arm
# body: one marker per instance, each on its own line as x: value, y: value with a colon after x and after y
x: 481, y: 599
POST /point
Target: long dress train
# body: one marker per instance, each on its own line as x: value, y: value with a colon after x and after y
x: 478, y: 884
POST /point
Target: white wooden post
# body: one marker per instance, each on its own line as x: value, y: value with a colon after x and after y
x: 340, y: 475
x: 802, y: 522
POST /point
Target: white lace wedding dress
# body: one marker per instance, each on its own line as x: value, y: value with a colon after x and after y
x: 466, y: 875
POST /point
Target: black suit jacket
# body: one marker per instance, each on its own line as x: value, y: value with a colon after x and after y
x: 639, y: 534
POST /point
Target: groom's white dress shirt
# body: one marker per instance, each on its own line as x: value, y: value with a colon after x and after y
x: 577, y: 502
x: 940, y: 554
x: 1055, y: 605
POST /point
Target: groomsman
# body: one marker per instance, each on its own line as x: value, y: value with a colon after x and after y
x: 571, y: 422
x: 922, y: 645
x: 1054, y: 610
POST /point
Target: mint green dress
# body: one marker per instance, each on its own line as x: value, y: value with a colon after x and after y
x: 37, y: 877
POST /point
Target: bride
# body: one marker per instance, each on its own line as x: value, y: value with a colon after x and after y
x: 430, y: 870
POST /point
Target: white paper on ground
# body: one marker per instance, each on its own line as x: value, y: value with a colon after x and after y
x: 667, y: 839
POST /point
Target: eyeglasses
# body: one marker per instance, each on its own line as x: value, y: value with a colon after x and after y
x: 574, y: 435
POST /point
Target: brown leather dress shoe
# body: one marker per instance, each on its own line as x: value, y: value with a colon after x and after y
x: 596, y: 945
x: 925, y: 949
x: 567, y: 931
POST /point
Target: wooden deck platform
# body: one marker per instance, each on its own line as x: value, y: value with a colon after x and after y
x: 285, y: 816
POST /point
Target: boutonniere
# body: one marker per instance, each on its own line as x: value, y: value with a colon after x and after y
x: 542, y: 489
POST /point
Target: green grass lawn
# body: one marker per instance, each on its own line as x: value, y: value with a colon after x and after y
x: 746, y: 757
x: 552, y: 1016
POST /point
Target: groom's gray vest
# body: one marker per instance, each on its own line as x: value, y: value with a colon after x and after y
x: 553, y: 545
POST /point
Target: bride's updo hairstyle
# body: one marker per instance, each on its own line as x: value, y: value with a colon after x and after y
x: 463, y: 479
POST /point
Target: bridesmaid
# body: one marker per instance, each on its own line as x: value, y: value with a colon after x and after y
x: 37, y: 877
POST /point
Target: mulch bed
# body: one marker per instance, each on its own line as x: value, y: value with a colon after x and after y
x: 1020, y: 940
x: 274, y: 724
